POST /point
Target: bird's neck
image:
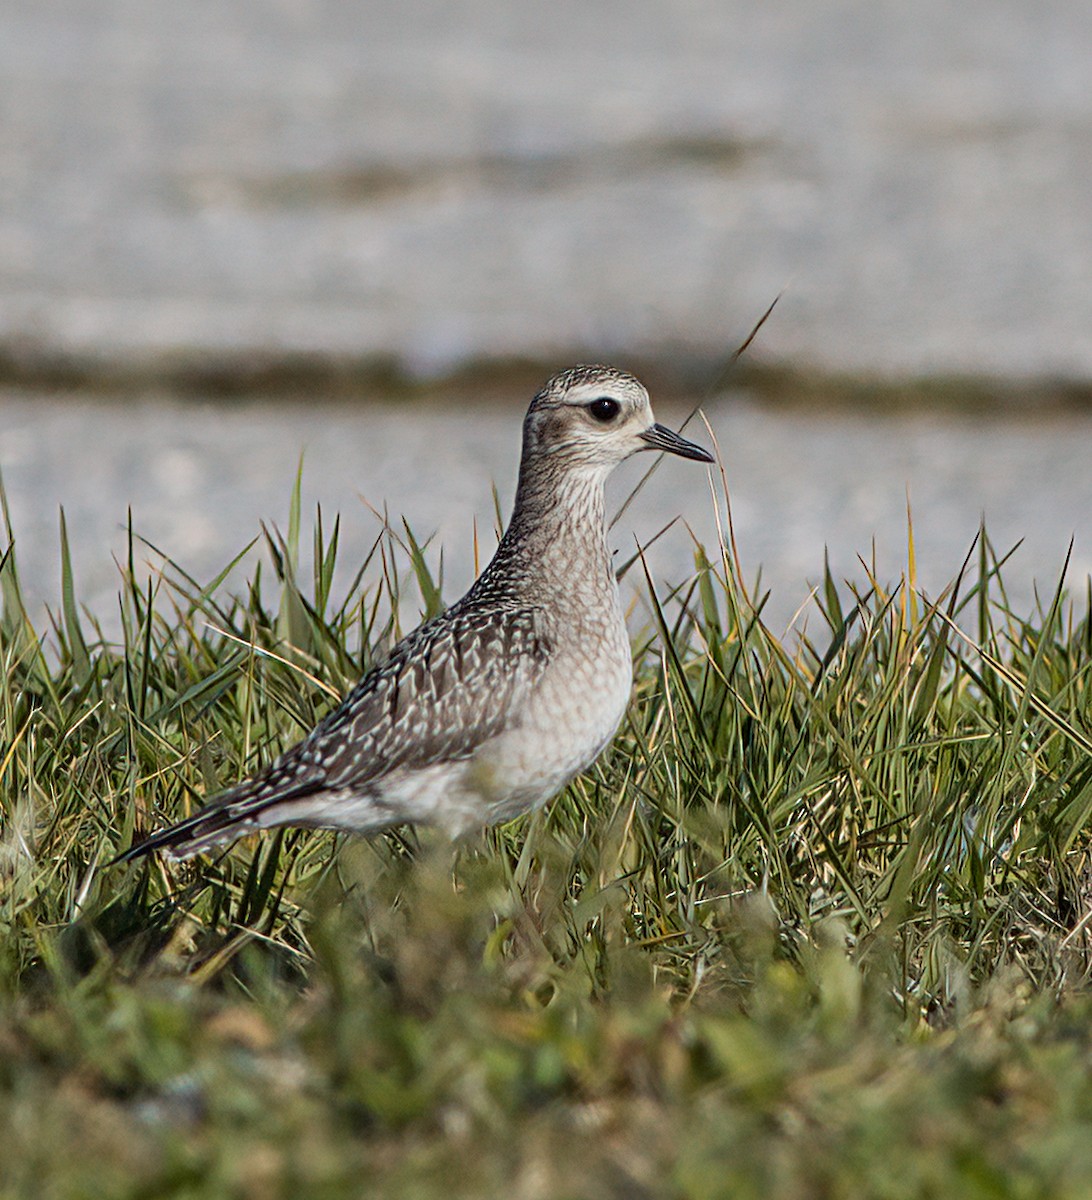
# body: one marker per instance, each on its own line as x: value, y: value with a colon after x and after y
x: 556, y: 542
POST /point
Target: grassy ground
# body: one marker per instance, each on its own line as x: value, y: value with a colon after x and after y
x: 817, y: 926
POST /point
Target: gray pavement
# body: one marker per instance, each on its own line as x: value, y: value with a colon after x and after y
x: 433, y: 183
x: 200, y: 478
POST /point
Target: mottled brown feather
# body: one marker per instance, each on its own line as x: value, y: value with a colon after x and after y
x: 445, y: 689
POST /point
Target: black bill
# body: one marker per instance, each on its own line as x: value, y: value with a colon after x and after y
x: 659, y: 437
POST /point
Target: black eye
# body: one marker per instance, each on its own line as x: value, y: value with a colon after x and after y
x: 604, y: 409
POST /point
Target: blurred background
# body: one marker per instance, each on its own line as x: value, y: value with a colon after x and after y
x: 232, y: 233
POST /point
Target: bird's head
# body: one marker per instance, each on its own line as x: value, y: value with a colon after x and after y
x: 596, y: 417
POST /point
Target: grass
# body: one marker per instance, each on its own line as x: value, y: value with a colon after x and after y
x: 817, y: 926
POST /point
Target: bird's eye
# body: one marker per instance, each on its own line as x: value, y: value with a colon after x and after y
x: 604, y: 409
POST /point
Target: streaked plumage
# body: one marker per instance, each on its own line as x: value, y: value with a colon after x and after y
x: 493, y: 706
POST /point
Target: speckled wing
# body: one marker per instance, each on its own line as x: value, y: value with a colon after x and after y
x: 451, y: 685
x: 447, y: 688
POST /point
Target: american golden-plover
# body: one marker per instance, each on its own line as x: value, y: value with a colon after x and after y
x: 489, y: 709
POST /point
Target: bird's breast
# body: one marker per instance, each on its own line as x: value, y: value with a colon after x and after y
x: 566, y: 721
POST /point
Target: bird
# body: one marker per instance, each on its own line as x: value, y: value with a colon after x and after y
x: 489, y: 709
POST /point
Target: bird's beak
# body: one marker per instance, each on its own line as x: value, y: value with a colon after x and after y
x: 659, y: 437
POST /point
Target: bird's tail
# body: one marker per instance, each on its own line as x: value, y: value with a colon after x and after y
x: 238, y: 811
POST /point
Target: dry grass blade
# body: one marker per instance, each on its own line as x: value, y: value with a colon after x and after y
x: 717, y: 384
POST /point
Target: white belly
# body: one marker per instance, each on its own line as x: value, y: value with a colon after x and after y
x: 569, y: 720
